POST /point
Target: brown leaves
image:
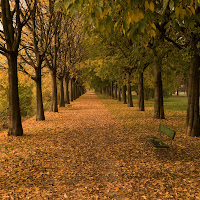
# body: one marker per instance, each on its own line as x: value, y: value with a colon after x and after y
x: 84, y: 153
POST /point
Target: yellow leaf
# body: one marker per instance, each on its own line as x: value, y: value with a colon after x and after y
x: 115, y: 25
x: 151, y: 6
x: 182, y: 13
x: 153, y: 33
x: 153, y: 26
x: 146, y: 5
x: 128, y: 20
x: 177, y: 12
x: 192, y: 9
x: 138, y: 16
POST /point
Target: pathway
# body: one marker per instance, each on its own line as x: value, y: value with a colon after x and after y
x: 77, y: 153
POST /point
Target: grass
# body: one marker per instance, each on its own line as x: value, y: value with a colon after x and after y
x: 175, y: 113
x: 175, y: 103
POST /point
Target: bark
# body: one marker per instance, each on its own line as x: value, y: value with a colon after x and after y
x: 141, y: 92
x: 124, y: 94
x: 192, y: 120
x: 119, y: 93
x: 109, y: 91
x: 40, y: 109
x: 62, y: 101
x: 72, y: 89
x: 15, y: 125
x: 75, y: 88
x: 54, y: 103
x: 66, y: 90
x: 158, y: 104
x: 79, y: 91
x: 116, y: 91
x: 112, y: 87
x: 130, y: 101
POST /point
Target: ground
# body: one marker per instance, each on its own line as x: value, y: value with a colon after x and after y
x: 86, y: 152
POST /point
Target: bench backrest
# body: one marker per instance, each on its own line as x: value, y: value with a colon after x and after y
x: 167, y: 131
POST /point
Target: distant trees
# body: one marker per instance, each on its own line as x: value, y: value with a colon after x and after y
x: 157, y: 22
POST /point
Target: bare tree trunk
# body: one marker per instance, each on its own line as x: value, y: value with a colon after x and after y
x: 192, y: 120
x: 40, y: 109
x: 75, y: 94
x: 66, y: 90
x: 141, y: 92
x: 62, y: 101
x: 112, y: 93
x: 124, y: 94
x: 109, y: 91
x: 72, y: 89
x: 15, y: 125
x: 119, y: 93
x: 54, y: 103
x: 158, y: 104
x: 130, y: 101
x: 115, y: 91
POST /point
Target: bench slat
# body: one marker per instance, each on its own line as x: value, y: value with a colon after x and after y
x: 167, y: 131
x: 157, y: 143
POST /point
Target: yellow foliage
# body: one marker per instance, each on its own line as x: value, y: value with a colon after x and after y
x: 192, y: 10
x: 138, y: 16
x: 146, y: 5
x: 115, y: 25
x: 153, y: 26
x: 151, y: 6
x: 151, y: 32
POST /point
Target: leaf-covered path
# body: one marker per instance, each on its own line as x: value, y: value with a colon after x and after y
x: 73, y: 154
x: 82, y: 152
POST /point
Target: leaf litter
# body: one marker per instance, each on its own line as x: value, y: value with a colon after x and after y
x: 85, y: 152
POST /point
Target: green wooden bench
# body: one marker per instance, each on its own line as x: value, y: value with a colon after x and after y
x: 157, y: 142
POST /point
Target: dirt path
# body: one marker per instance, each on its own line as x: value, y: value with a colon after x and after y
x: 77, y: 153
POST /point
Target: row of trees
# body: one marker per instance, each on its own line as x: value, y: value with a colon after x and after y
x: 136, y: 29
x: 33, y: 36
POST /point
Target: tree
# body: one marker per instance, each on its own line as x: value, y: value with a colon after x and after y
x: 39, y: 33
x: 51, y: 61
x: 14, y: 15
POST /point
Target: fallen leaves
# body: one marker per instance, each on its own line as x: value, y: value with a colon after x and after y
x: 86, y: 153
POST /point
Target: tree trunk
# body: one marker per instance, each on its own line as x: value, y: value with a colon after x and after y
x: 54, y: 103
x: 192, y: 120
x: 112, y: 87
x: 119, y: 93
x: 72, y: 89
x: 62, y: 101
x: 158, y: 104
x: 75, y: 93
x: 109, y: 91
x: 116, y: 91
x: 66, y: 90
x: 130, y: 101
x: 15, y: 125
x: 141, y: 92
x: 124, y: 94
x: 40, y: 110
